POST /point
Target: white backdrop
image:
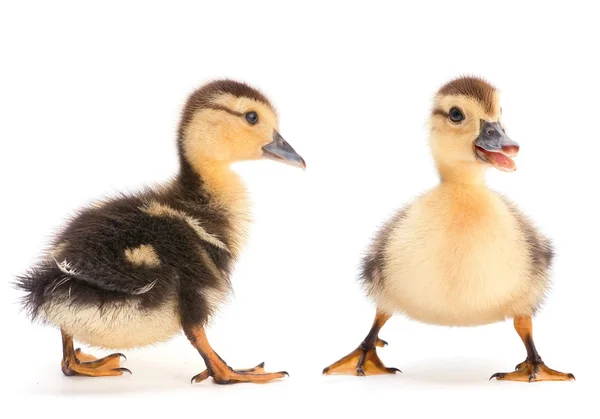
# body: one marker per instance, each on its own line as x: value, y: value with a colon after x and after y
x: 89, y: 101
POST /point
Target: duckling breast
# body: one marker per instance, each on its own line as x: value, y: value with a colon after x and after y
x: 458, y: 258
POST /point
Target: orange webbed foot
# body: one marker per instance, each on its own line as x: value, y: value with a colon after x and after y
x: 362, y: 361
x: 531, y: 371
x: 90, y: 366
x: 223, y: 374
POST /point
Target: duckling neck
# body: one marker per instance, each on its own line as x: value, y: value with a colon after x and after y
x: 467, y: 174
x: 216, y: 182
x: 214, y: 185
x: 223, y: 185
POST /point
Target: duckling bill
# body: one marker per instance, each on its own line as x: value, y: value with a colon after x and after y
x: 461, y: 254
x: 137, y: 270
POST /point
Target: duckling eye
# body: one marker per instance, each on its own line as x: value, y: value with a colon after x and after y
x: 456, y: 115
x: 251, y: 117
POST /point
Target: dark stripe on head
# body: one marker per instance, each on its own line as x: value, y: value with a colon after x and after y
x: 473, y: 87
x: 223, y: 108
x: 202, y: 98
x: 438, y: 111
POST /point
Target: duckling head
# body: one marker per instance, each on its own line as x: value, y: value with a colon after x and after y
x: 465, y: 128
x: 226, y: 121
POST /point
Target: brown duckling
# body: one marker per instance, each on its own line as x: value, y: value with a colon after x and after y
x: 136, y: 270
x: 460, y: 254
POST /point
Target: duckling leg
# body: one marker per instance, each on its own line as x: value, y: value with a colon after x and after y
x: 364, y: 359
x: 75, y: 362
x: 219, y: 370
x: 533, y: 368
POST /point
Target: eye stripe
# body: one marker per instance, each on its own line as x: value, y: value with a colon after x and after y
x: 223, y: 108
x: 438, y: 111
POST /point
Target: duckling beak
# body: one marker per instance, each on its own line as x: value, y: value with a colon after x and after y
x: 493, y: 146
x: 280, y: 150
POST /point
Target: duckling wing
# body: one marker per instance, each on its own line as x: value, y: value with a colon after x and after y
x: 107, y: 272
x: 105, y: 254
x: 111, y: 249
x: 374, y: 260
x: 540, y: 251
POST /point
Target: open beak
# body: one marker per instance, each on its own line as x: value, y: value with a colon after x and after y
x: 494, y: 147
x: 280, y: 150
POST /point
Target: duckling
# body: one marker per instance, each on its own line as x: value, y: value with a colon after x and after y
x: 460, y: 254
x: 136, y: 270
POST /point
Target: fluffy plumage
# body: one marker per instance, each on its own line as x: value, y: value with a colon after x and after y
x: 94, y: 249
x: 134, y: 270
x: 460, y: 254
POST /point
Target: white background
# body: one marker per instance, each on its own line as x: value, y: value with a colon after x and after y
x: 89, y: 103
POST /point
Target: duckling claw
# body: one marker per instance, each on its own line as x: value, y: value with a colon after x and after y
x: 381, y: 343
